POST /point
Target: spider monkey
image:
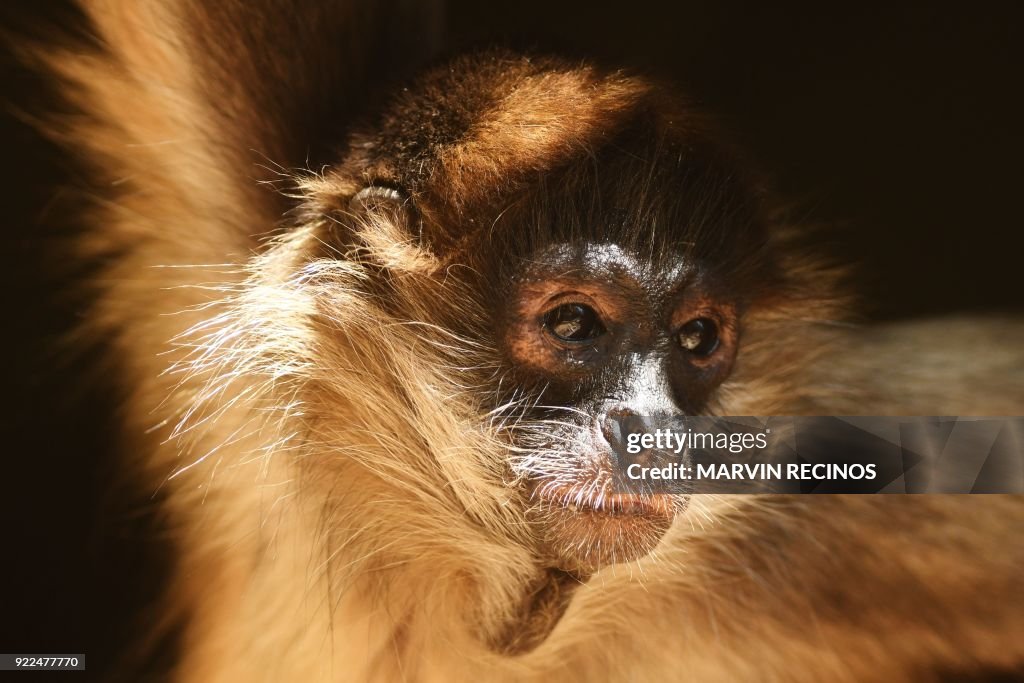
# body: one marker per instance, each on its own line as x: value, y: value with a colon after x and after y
x: 377, y: 398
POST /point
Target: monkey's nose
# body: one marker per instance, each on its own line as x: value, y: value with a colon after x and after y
x: 628, y: 433
x: 635, y: 439
x: 617, y: 424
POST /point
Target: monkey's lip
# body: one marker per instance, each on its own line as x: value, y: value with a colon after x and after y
x: 583, y: 533
x: 568, y: 498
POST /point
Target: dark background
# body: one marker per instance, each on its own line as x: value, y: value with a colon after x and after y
x: 898, y: 126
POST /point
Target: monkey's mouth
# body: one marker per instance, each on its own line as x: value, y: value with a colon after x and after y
x: 586, y: 531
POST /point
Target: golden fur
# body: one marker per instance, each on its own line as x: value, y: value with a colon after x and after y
x: 339, y: 512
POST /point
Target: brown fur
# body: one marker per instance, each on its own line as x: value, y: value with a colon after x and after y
x: 312, y: 393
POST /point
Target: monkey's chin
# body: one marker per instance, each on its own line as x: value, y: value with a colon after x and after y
x: 583, y: 536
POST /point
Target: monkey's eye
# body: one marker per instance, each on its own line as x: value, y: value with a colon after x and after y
x: 699, y: 336
x: 573, y: 323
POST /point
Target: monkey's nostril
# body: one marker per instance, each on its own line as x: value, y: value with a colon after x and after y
x: 614, y: 426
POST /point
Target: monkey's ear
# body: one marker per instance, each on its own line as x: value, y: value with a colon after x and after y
x: 390, y: 228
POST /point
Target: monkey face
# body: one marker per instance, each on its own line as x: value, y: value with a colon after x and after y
x: 611, y: 340
x: 607, y: 262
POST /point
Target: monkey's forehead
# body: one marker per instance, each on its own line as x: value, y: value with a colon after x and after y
x: 602, y: 260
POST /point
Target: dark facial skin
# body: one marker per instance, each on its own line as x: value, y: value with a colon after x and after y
x: 611, y: 337
x: 607, y: 332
